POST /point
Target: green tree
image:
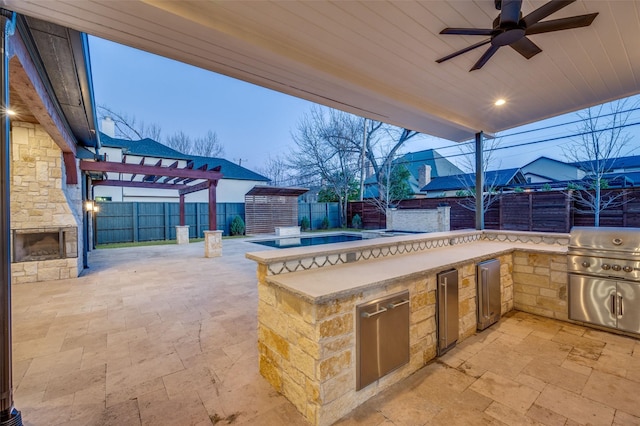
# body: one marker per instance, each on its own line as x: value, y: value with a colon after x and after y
x: 237, y: 226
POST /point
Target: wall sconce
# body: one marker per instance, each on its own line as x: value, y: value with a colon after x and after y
x: 91, y: 206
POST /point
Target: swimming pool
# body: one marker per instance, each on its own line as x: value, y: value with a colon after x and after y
x: 308, y: 241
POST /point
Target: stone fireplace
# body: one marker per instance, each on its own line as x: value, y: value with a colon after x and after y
x: 30, y: 245
x: 46, y: 212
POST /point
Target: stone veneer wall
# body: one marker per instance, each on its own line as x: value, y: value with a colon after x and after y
x: 419, y: 220
x: 41, y: 198
x: 540, y: 284
x: 308, y: 352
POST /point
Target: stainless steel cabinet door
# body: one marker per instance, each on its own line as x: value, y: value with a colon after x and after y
x: 447, y: 310
x: 592, y: 300
x: 489, y: 297
x: 627, y: 301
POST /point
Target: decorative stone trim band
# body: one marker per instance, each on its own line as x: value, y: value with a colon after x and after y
x: 293, y: 260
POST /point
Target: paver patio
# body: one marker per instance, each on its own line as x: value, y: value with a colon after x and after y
x: 161, y: 335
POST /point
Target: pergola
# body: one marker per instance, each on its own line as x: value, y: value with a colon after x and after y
x: 185, y: 180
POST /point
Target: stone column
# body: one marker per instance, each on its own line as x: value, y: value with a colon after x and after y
x: 182, y: 234
x: 212, y: 243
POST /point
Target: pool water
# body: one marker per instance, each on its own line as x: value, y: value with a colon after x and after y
x: 308, y: 241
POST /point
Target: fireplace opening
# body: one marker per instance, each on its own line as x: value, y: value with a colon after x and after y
x: 41, y: 244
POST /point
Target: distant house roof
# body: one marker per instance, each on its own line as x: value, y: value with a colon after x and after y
x: 150, y: 148
x: 143, y: 147
x: 630, y: 162
x: 440, y: 166
x: 497, y: 178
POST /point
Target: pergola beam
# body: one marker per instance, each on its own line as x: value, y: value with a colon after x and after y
x: 138, y: 184
x: 185, y: 173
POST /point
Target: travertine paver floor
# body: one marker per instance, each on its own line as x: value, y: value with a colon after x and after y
x: 161, y: 335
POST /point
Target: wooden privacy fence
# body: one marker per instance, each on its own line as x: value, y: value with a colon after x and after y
x: 548, y: 211
x: 120, y: 222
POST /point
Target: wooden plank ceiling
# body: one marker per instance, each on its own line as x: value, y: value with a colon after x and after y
x: 377, y: 58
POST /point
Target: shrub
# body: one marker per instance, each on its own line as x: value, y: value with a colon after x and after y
x: 304, y: 223
x: 546, y: 187
x: 518, y: 190
x: 325, y: 223
x: 237, y: 226
x: 356, y: 221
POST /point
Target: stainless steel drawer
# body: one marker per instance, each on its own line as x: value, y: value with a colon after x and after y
x: 382, y: 337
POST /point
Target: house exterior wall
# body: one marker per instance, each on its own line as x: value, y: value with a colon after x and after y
x: 40, y: 198
x: 553, y: 169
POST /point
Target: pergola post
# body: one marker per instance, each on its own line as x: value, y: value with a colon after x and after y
x: 8, y: 414
x: 182, y: 219
x: 213, y: 222
x: 479, y: 183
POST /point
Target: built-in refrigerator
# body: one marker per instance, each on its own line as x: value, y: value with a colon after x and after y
x: 447, y: 316
x: 489, y: 299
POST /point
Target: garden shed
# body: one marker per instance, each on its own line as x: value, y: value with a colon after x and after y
x: 268, y: 207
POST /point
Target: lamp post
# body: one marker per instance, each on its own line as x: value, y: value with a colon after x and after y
x: 92, y: 208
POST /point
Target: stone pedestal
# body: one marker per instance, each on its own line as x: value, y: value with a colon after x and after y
x: 212, y: 243
x: 182, y: 234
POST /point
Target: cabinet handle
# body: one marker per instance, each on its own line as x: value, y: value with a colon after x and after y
x: 373, y: 314
x: 485, y: 292
x: 613, y: 304
x: 397, y: 304
x: 620, y: 311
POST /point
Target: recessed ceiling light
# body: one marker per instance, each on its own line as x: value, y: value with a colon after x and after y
x: 500, y: 102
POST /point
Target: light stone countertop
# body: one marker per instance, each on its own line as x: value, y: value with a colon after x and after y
x: 340, y: 281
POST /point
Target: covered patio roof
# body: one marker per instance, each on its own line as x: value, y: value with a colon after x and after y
x: 378, y: 59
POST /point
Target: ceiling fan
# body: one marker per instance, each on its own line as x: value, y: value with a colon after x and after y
x: 510, y: 28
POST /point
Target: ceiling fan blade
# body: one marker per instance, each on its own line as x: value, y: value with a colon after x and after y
x: 545, y: 10
x: 483, y: 60
x: 467, y: 31
x: 562, y: 24
x: 465, y: 50
x: 510, y: 12
x: 526, y: 48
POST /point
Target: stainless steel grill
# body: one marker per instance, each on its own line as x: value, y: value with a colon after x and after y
x: 604, y: 277
x: 605, y: 252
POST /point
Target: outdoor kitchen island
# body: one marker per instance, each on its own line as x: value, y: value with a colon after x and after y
x: 307, y: 322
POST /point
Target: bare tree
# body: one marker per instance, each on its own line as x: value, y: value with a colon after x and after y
x: 277, y: 169
x: 602, y: 139
x: 128, y: 127
x: 383, y: 143
x: 179, y: 141
x: 489, y: 193
x: 207, y: 146
x: 325, y: 152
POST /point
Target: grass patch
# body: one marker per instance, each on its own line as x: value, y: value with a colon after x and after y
x: 144, y: 243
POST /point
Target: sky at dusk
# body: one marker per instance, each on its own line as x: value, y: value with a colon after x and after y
x: 254, y: 123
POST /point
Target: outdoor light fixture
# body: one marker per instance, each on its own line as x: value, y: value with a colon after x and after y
x: 89, y: 206
x: 11, y: 112
x: 500, y: 102
x: 96, y: 209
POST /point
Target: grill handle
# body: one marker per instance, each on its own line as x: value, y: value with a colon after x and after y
x: 613, y: 304
x: 620, y: 311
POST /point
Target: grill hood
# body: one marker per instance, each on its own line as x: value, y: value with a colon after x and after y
x: 625, y: 240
